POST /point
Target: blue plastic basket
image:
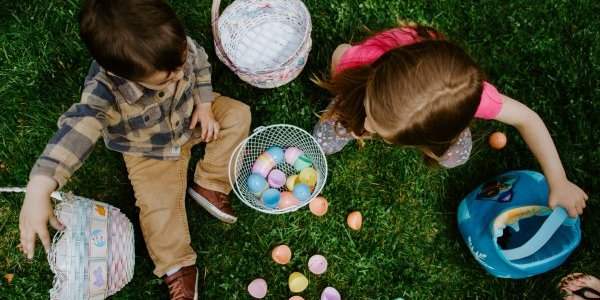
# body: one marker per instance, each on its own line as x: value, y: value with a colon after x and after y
x: 510, y: 230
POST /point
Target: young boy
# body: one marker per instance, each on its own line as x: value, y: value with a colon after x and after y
x: 148, y: 94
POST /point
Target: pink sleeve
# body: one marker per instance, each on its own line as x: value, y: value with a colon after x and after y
x: 373, y: 48
x: 491, y: 102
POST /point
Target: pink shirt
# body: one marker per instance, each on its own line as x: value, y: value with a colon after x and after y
x: 371, y: 49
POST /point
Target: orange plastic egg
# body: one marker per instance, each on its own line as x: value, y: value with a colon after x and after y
x: 318, y: 206
x: 497, y: 140
x: 287, y: 199
x: 281, y: 254
x: 355, y: 220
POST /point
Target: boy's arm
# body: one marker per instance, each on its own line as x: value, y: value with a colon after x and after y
x: 79, y: 129
x: 531, y: 127
x: 203, y: 95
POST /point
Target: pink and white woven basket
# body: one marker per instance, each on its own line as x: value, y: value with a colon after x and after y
x: 94, y: 257
x: 265, y: 42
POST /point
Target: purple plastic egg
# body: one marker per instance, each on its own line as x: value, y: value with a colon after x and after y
x: 330, y: 293
x: 276, y: 178
x: 317, y: 264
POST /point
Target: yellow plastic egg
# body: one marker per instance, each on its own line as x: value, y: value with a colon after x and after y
x: 308, y: 176
x: 281, y: 254
x: 355, y: 220
x: 297, y: 282
x: 291, y: 182
x: 318, y: 206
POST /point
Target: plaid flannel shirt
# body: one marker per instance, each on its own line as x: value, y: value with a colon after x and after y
x: 132, y: 119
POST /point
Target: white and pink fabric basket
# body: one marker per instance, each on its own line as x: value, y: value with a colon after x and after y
x: 265, y: 42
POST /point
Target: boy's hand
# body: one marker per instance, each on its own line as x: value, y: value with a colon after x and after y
x: 210, y: 127
x: 36, y: 212
x: 566, y: 194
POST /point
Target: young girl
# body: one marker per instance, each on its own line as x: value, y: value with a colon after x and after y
x: 410, y: 86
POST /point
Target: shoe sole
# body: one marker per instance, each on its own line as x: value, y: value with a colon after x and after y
x: 211, y: 209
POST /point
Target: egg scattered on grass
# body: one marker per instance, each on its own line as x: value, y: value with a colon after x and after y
x: 258, y: 288
x: 330, y: 293
x: 319, y: 206
x: 297, y: 282
x: 355, y: 220
x: 281, y: 254
x: 497, y: 140
x: 317, y: 264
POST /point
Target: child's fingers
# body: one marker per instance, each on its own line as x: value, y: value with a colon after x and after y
x: 210, y: 134
x: 217, y: 130
x: 204, y: 129
x: 194, y: 120
x: 28, y: 243
x: 44, y: 237
x: 55, y: 223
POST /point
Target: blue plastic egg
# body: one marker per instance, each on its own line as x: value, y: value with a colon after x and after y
x: 302, y: 192
x: 257, y: 184
x: 271, y: 198
x: 276, y: 153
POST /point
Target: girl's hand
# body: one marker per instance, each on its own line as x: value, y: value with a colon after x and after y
x: 566, y: 194
x: 36, y: 212
x: 210, y: 127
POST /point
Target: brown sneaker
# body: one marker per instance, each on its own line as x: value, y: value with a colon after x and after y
x: 183, y: 285
x: 217, y: 204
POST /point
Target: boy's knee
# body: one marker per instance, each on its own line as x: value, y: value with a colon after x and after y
x: 237, y: 115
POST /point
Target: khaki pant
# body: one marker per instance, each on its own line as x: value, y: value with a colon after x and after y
x: 160, y: 186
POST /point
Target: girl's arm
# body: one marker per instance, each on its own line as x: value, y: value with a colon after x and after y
x: 531, y: 127
x: 337, y: 56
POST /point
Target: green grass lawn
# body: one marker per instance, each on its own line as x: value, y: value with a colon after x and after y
x: 545, y: 53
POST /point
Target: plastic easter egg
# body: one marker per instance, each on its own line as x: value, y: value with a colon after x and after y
x: 281, y: 254
x: 297, y: 282
x: 497, y: 140
x: 263, y: 165
x: 302, y: 192
x: 302, y: 162
x: 296, y: 298
x: 308, y: 176
x: 291, y: 154
x: 271, y: 198
x: 276, y: 178
x: 355, y: 220
x: 277, y: 154
x: 318, y: 206
x: 256, y: 184
x: 258, y: 288
x: 317, y: 264
x: 287, y: 200
x: 330, y: 293
x: 291, y: 182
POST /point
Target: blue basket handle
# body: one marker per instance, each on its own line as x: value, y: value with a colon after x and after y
x: 544, y: 234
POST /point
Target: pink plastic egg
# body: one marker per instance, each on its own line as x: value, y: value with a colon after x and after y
x: 291, y: 154
x: 317, y: 264
x: 355, y: 220
x: 276, y: 178
x: 258, y: 288
x: 281, y: 254
x: 263, y: 165
x: 287, y: 199
x: 296, y: 298
x: 318, y: 206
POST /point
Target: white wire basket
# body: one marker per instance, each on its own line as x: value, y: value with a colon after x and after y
x: 94, y: 257
x: 283, y: 136
x: 265, y: 42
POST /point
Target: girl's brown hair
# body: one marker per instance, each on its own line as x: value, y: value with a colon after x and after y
x: 422, y: 95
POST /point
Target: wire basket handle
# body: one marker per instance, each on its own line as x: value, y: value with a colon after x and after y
x: 215, y: 13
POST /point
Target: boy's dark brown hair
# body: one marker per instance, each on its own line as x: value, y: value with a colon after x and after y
x: 133, y: 38
x: 421, y: 95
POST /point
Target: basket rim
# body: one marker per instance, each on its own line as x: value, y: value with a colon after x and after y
x: 228, y: 61
x: 233, y: 182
